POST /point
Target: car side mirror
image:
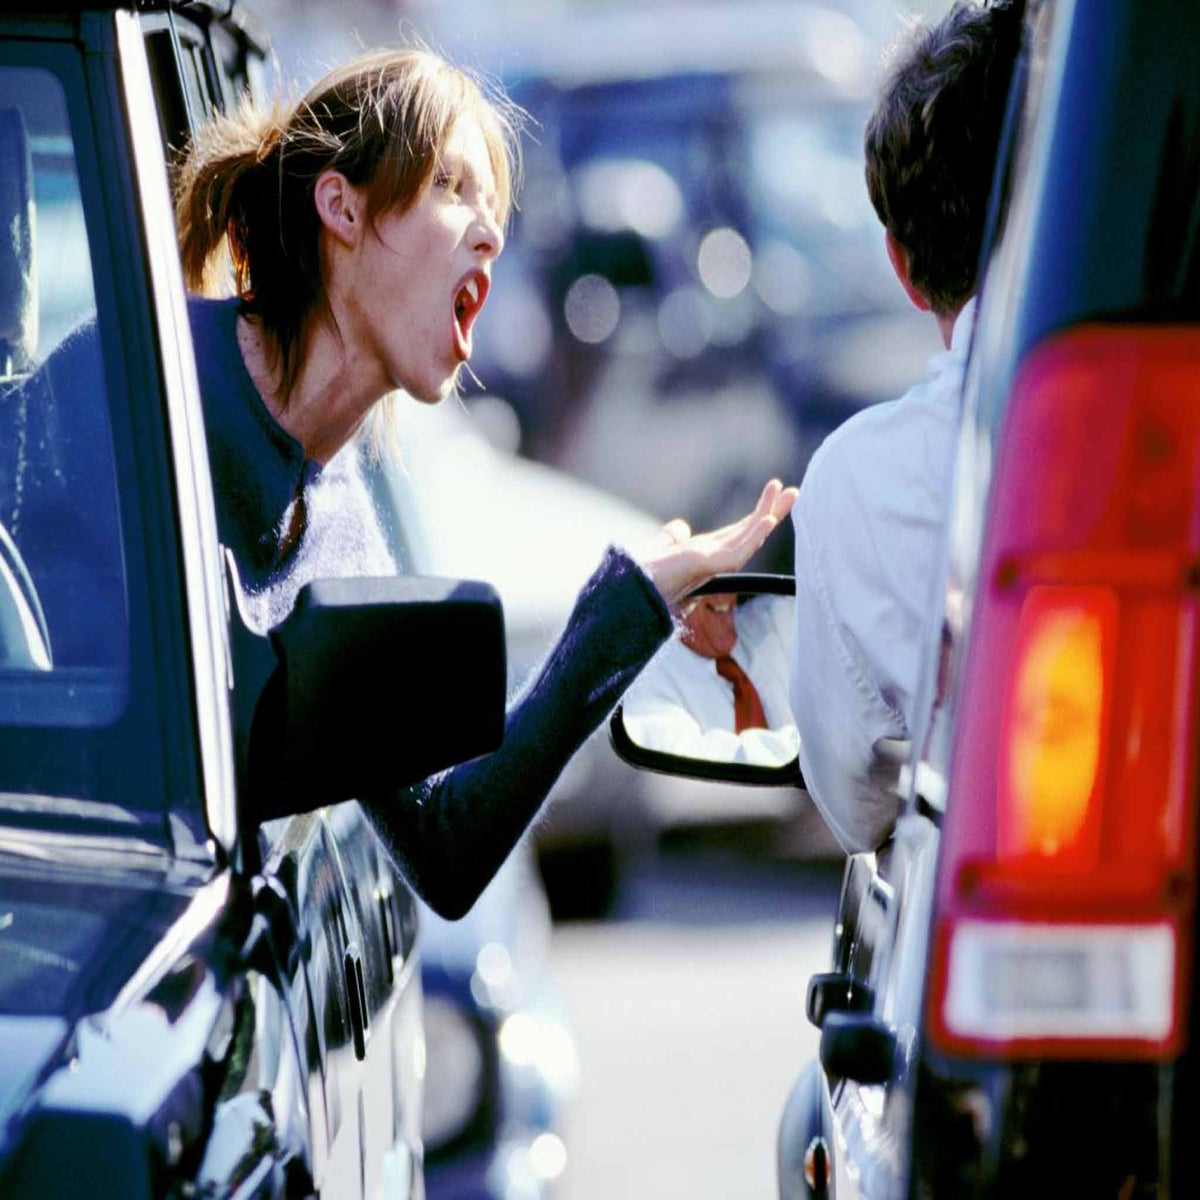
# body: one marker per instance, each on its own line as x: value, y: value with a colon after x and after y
x: 368, y: 684
x: 858, y: 1046
x: 690, y: 712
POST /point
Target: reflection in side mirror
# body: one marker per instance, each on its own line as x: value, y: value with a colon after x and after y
x: 713, y: 703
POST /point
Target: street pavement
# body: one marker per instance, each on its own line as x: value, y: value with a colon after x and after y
x: 689, y: 1012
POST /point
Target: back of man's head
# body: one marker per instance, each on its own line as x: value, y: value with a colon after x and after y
x: 931, y: 144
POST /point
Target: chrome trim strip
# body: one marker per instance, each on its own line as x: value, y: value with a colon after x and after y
x: 197, y: 518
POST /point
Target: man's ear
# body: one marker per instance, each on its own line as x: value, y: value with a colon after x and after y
x: 898, y: 257
x: 340, y: 206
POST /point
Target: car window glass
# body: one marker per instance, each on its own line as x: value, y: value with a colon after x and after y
x: 232, y: 65
x: 63, y: 610
x: 196, y: 80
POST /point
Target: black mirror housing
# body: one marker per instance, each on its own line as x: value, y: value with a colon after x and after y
x: 831, y: 992
x: 858, y: 1046
x: 372, y: 684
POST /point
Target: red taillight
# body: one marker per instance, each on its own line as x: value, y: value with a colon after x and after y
x: 1064, y: 904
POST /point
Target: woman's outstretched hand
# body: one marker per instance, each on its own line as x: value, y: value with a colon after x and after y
x: 679, y: 560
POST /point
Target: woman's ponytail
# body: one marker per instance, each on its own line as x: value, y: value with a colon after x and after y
x: 228, y: 175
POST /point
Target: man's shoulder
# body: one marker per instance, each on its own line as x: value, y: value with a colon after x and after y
x: 866, y: 429
x: 876, y: 488
x: 911, y: 417
x: 884, y: 444
x: 865, y: 451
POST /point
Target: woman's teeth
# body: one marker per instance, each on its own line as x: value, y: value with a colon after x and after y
x: 467, y: 298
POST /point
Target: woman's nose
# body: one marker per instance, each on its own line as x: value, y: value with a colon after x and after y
x: 488, y: 235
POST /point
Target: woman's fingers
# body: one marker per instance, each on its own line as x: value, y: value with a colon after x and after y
x: 680, y: 561
x: 736, y: 542
x: 764, y: 508
x: 774, y: 503
x: 770, y: 495
x: 677, y: 530
x: 776, y: 500
x: 784, y: 501
x: 672, y: 534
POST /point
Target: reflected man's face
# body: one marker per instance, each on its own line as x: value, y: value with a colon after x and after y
x: 708, y: 627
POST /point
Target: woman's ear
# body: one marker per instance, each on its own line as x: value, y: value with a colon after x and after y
x: 898, y: 257
x: 340, y: 206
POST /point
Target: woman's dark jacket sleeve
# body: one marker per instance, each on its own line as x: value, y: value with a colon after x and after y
x: 450, y: 833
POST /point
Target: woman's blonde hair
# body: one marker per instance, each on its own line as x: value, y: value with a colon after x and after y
x: 247, y: 182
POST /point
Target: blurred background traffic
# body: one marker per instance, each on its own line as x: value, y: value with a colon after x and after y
x: 693, y: 294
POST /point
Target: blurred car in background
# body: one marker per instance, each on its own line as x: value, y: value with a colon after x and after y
x: 458, y: 494
x: 502, y: 1064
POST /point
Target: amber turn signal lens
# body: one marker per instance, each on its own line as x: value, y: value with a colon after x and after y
x: 1052, y: 748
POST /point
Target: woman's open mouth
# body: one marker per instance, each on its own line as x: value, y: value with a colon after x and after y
x: 468, y: 300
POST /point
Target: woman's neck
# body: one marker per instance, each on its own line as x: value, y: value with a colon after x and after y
x: 327, y: 400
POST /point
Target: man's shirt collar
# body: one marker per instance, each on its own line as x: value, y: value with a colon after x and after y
x: 964, y: 323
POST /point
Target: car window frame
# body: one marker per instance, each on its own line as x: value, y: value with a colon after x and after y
x: 188, y: 89
x: 155, y: 736
x: 207, y: 604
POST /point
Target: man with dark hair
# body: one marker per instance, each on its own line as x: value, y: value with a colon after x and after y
x: 870, y: 517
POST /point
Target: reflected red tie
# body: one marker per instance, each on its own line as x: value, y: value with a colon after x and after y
x: 747, y: 707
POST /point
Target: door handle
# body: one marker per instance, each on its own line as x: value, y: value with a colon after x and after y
x: 356, y: 996
x: 387, y: 925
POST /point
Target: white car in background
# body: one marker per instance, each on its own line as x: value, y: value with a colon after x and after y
x: 460, y: 494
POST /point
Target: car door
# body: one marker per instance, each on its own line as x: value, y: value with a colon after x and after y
x: 852, y: 1004
x: 354, y: 985
x: 879, y: 968
x: 317, y: 944
x: 380, y: 968
x: 270, y: 1113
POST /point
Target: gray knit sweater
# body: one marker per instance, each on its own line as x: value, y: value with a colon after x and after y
x: 450, y: 833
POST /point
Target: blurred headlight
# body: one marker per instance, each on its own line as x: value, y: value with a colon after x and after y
x: 454, y: 1071
x: 546, y: 1046
x: 592, y: 308
x: 724, y: 262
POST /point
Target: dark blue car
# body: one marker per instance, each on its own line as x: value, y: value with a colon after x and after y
x: 208, y: 983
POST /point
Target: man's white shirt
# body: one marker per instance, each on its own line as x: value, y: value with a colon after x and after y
x: 869, y: 524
